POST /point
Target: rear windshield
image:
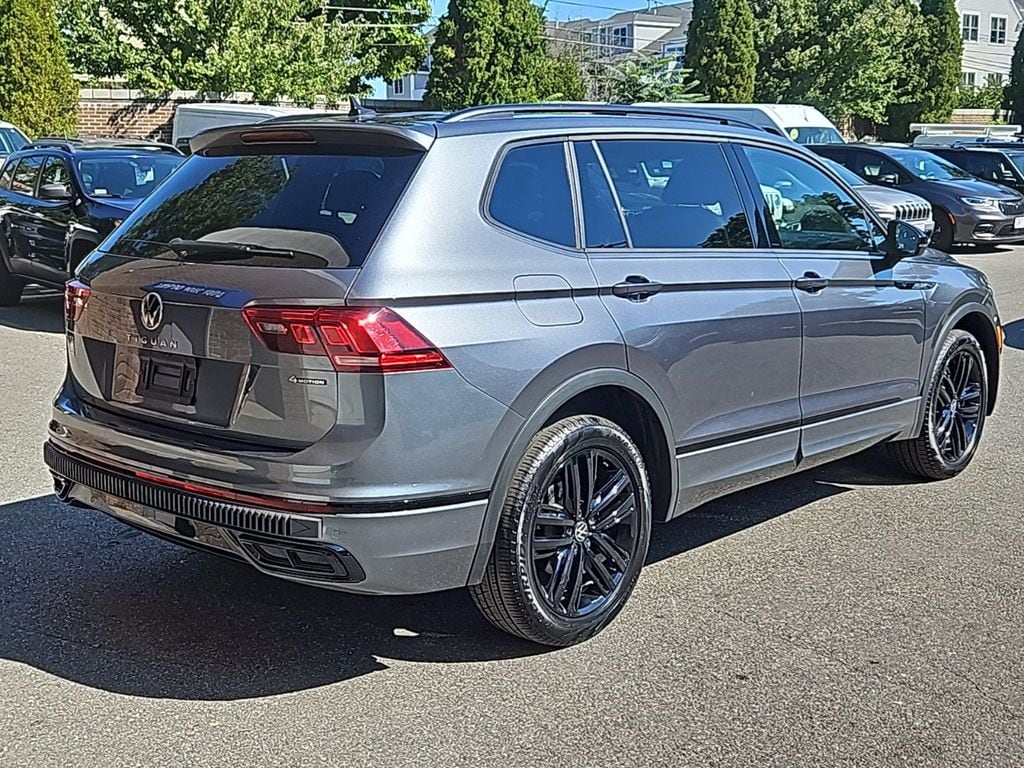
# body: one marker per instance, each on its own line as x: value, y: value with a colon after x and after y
x: 815, y: 135
x: 288, y: 210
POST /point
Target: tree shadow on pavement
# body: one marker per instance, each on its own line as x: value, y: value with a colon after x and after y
x: 40, y: 310
x: 101, y: 604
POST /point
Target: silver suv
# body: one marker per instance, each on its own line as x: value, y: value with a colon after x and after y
x: 491, y: 349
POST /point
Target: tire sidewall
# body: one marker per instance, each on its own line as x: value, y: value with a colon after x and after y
x: 596, y: 434
x: 956, y: 342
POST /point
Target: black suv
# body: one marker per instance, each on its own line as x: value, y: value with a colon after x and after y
x: 996, y: 164
x: 60, y: 197
x: 966, y: 209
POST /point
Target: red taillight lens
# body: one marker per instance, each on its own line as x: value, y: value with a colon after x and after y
x: 354, y: 338
x: 76, y: 296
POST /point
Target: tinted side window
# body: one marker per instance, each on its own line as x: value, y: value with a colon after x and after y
x: 677, y: 194
x: 602, y: 224
x: 531, y: 194
x: 25, y: 175
x: 55, y: 172
x: 809, y: 210
x: 8, y: 174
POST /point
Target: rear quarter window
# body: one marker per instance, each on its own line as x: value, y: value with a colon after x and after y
x: 328, y: 209
x: 531, y: 194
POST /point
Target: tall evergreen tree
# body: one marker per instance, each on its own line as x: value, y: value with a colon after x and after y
x: 37, y: 92
x: 486, y: 51
x: 941, y: 60
x: 720, y: 49
x: 1015, y: 89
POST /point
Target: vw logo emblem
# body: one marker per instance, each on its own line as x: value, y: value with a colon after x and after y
x: 152, y: 313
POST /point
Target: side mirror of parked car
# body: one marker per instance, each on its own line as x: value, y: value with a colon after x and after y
x: 889, y: 179
x: 903, y: 240
x: 54, y: 192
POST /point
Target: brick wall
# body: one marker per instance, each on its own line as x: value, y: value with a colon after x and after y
x: 108, y: 113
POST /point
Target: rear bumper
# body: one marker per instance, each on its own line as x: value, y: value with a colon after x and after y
x: 409, y: 551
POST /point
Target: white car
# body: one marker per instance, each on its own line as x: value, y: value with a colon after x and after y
x: 11, y: 139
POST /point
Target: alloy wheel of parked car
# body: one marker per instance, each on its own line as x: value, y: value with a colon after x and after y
x: 573, y: 534
x: 942, y: 237
x: 956, y: 409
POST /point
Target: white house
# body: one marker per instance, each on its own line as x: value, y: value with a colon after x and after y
x: 990, y: 29
x: 659, y: 29
x: 410, y: 87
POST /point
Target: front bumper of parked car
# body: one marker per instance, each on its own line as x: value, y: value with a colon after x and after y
x: 977, y: 226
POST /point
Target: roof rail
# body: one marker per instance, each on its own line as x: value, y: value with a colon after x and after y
x: 585, y: 108
x: 52, y: 141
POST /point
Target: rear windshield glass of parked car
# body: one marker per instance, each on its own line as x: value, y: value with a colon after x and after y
x: 676, y: 194
x: 124, y: 177
x: 805, y: 135
x: 291, y: 210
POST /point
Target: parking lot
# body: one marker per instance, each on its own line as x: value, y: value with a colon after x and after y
x: 839, y: 617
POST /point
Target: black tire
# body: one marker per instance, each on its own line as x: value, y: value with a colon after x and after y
x: 929, y: 455
x: 11, y: 286
x: 513, y: 595
x: 942, y: 236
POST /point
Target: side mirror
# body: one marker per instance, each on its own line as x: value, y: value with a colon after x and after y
x: 54, y: 192
x: 903, y: 240
x: 889, y: 179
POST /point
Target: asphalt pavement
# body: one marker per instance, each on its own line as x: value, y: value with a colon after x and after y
x: 840, y: 617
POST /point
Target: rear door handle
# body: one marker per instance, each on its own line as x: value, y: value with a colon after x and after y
x: 636, y: 288
x: 811, y: 282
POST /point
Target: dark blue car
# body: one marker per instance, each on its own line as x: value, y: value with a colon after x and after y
x: 60, y: 197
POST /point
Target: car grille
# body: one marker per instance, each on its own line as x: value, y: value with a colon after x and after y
x: 1012, y: 207
x: 913, y: 211
x: 180, y: 503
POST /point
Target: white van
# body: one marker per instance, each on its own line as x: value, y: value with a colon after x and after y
x: 802, y: 124
x: 190, y: 119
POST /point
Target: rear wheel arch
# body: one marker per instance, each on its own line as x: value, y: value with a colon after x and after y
x: 605, y: 390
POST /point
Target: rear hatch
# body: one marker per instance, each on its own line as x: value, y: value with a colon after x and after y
x: 216, y: 308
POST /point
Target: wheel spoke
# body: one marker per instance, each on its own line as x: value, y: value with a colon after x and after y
x: 577, y: 590
x: 965, y: 370
x: 942, y: 428
x: 617, y: 514
x: 562, y: 574
x: 553, y: 515
x: 588, y: 500
x: 611, y: 550
x: 545, y: 546
x: 605, y: 581
x: 609, y: 492
x: 959, y: 438
x: 574, y: 492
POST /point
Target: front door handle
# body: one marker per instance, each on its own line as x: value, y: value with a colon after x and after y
x: 811, y: 282
x: 636, y: 288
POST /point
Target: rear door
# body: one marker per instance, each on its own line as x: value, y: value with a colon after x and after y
x: 52, y: 218
x: 17, y: 221
x: 863, y: 317
x: 171, y: 334
x: 709, y: 320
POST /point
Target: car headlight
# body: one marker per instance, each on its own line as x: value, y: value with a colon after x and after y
x: 988, y: 203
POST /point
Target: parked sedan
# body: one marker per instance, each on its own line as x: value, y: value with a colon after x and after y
x: 59, y: 198
x: 965, y: 209
x: 887, y: 202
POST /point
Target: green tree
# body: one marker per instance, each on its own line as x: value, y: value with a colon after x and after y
x: 298, y: 49
x: 486, y: 51
x: 560, y: 79
x: 641, y: 80
x: 1015, y: 89
x: 941, y: 60
x: 989, y: 96
x: 720, y: 49
x: 37, y: 92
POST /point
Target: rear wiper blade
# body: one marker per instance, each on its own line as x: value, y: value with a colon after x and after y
x: 240, y: 250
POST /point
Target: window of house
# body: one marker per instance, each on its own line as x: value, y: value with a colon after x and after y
x: 997, y: 30
x: 995, y: 78
x: 967, y: 79
x: 398, y: 86
x: 969, y: 27
x: 676, y: 194
x: 531, y: 194
x: 620, y: 38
